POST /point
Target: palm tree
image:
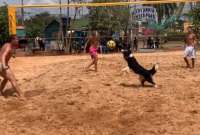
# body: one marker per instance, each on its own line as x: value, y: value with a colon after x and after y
x: 179, y: 10
x: 169, y: 17
x: 165, y: 10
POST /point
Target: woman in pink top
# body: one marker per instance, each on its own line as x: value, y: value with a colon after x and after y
x: 92, y: 46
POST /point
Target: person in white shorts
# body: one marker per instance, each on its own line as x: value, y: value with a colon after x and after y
x: 190, y: 51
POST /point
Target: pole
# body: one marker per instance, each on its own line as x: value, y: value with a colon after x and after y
x: 61, y: 24
x: 22, y: 11
x: 67, y: 9
x: 67, y: 39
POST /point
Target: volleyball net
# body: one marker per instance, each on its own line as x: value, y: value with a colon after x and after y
x: 61, y: 24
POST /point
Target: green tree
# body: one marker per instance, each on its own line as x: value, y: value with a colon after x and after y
x: 109, y: 18
x: 196, y: 20
x: 36, y: 24
x: 4, y: 32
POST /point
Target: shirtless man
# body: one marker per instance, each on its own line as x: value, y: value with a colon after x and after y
x: 190, y: 52
x: 5, y: 71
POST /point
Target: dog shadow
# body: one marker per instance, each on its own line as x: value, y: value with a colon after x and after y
x: 129, y: 85
x: 135, y: 86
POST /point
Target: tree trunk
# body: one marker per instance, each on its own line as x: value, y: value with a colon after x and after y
x: 70, y: 37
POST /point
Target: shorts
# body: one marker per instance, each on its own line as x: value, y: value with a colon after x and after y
x: 93, y: 52
x: 190, y: 52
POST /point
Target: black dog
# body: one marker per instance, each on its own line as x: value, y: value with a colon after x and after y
x: 144, y: 74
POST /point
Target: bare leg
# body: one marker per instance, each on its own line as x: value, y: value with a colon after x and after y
x: 10, y: 76
x: 95, y: 63
x: 193, y: 62
x: 2, y: 86
x: 92, y: 63
x: 186, y: 61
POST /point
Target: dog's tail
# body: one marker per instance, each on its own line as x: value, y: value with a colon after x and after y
x: 154, y: 69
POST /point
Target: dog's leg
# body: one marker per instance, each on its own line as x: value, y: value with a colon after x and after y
x: 142, y: 80
x: 150, y: 80
x: 125, y: 70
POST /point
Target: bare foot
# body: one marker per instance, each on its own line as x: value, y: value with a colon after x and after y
x: 20, y: 96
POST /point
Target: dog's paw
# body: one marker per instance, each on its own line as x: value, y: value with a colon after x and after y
x: 155, y: 86
x: 126, y: 69
x: 156, y: 66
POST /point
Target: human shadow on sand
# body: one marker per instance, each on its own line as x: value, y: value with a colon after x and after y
x: 9, y: 93
x: 88, y: 70
x: 12, y: 93
x: 34, y: 93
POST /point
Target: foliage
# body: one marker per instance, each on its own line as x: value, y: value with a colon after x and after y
x: 4, y: 30
x: 196, y: 19
x: 109, y: 18
x: 35, y: 25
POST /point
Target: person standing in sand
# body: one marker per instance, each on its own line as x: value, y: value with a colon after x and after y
x: 190, y: 48
x: 92, y: 48
x: 5, y: 71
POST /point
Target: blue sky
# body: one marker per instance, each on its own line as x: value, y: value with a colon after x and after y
x: 46, y: 2
x: 42, y: 2
x: 9, y: 1
x: 25, y: 1
x: 29, y: 12
x: 34, y: 1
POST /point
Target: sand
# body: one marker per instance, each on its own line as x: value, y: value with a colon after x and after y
x: 63, y: 99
